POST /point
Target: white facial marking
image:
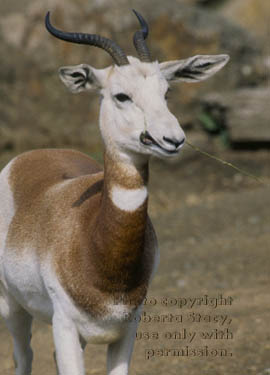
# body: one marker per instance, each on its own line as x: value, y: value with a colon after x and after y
x: 128, y: 199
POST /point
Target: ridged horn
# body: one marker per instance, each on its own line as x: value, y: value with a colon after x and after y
x: 139, y: 39
x: 106, y: 44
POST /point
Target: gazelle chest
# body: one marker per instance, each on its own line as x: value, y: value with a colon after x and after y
x: 128, y: 200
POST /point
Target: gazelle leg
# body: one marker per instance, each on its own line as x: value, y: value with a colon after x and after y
x: 69, y: 352
x: 19, y: 324
x: 83, y: 345
x: 119, y: 352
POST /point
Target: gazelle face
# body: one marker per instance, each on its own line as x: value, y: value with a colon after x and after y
x: 134, y: 112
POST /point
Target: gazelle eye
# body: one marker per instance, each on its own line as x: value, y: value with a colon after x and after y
x: 122, y: 97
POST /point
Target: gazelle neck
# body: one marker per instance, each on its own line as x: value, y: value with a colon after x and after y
x: 119, y: 234
x: 126, y: 173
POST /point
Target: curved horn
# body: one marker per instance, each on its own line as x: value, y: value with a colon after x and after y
x: 108, y: 45
x: 139, y: 39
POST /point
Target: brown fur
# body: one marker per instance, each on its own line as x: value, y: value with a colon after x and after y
x: 99, y: 251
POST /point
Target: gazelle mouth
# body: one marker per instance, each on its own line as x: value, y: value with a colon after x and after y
x: 147, y: 140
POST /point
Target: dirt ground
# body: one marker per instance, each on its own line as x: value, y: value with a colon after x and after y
x: 213, y: 229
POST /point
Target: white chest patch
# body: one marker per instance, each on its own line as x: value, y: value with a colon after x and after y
x: 128, y: 199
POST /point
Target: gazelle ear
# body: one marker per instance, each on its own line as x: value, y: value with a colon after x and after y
x: 193, y: 69
x: 81, y: 77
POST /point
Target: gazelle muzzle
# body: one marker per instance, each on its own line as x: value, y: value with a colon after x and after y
x: 147, y: 140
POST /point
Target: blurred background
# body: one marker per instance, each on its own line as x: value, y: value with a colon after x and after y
x: 212, y: 222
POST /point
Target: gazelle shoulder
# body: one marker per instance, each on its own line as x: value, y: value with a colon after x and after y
x: 34, y: 172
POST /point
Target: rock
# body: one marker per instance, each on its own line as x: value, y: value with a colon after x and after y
x: 13, y: 28
x: 247, y: 113
x: 253, y: 15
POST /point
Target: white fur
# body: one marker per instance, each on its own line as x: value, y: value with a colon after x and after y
x: 7, y: 206
x: 128, y: 199
x: 17, y: 320
x: 43, y: 297
x: 6, y: 214
x: 117, y: 310
x: 70, y: 323
x: 27, y: 288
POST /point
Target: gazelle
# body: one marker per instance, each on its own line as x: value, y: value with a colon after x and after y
x: 75, y: 239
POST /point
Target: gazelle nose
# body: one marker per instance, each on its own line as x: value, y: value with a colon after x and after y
x: 175, y: 142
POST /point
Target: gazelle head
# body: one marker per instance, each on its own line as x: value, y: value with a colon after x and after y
x: 134, y: 117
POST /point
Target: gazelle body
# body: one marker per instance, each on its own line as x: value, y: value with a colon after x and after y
x: 74, y: 239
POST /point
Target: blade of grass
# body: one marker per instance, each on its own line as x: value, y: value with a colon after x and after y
x: 256, y: 178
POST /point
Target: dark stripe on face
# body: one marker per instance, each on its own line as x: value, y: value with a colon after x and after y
x: 92, y: 190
